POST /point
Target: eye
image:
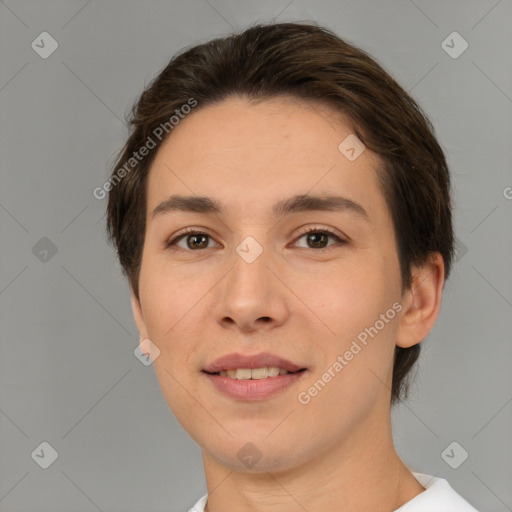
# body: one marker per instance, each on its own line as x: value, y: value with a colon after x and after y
x: 193, y: 240
x: 317, y: 237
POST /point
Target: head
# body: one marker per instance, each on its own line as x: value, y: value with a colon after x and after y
x: 250, y: 120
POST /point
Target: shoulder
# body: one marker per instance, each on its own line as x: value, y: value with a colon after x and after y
x: 438, y: 496
x: 199, y: 505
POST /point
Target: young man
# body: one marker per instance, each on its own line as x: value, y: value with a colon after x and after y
x: 282, y: 212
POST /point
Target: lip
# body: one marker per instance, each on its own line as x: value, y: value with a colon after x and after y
x: 252, y: 389
x: 261, y: 360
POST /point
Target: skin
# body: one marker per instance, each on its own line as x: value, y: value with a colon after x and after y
x: 197, y: 304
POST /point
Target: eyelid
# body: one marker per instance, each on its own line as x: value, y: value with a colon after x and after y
x: 323, y: 229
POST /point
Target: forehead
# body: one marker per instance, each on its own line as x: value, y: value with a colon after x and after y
x: 247, y: 152
x: 240, y: 126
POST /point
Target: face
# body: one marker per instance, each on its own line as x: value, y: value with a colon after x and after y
x: 246, y: 280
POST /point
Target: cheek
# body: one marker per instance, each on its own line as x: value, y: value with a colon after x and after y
x: 167, y: 311
x: 166, y: 298
x: 348, y: 298
x: 165, y: 316
x: 357, y: 306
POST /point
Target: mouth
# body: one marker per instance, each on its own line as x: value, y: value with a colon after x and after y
x: 260, y: 366
x: 252, y: 377
x: 265, y: 372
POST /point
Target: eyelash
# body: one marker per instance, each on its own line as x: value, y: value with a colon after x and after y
x: 192, y: 231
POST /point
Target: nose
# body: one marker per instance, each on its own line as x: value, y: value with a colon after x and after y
x: 252, y: 297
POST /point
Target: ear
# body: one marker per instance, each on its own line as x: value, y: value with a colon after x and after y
x: 422, y: 302
x: 138, y: 316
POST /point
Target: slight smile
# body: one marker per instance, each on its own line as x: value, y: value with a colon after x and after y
x: 252, y: 378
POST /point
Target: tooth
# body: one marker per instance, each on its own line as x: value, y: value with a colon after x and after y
x: 259, y: 373
x: 243, y: 373
x: 256, y: 373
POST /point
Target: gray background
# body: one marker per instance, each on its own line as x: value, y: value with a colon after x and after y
x: 68, y: 373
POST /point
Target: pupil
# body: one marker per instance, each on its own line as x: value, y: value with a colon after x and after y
x: 313, y: 235
x: 194, y: 239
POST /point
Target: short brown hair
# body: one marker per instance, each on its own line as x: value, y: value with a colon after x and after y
x: 308, y: 62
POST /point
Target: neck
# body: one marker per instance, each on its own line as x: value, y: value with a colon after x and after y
x: 363, y: 473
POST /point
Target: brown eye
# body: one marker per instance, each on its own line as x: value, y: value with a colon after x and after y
x: 194, y: 240
x: 318, y: 238
x: 197, y: 241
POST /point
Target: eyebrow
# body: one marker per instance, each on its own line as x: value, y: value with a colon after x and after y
x: 297, y: 203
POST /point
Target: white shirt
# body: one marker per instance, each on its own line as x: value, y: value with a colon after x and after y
x: 438, y: 496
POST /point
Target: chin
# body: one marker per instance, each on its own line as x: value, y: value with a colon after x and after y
x: 262, y: 464
x: 242, y: 455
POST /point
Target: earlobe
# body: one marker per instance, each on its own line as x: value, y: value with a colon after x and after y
x: 421, y: 303
x: 138, y: 316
